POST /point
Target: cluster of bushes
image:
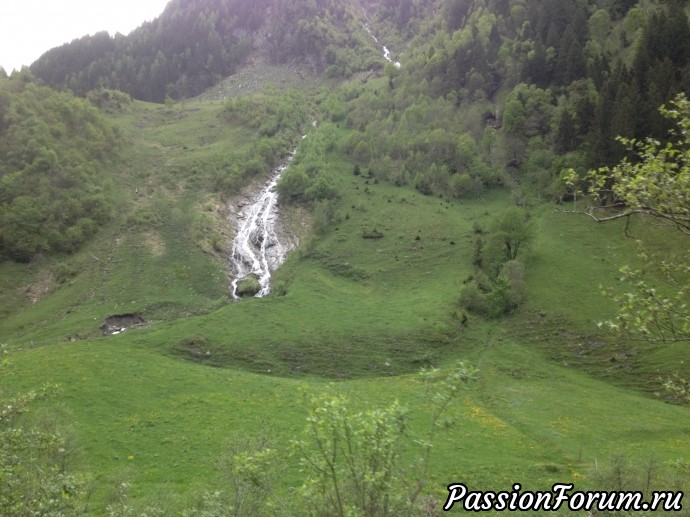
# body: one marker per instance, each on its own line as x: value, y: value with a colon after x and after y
x: 52, y: 188
x: 278, y: 119
x: 308, y: 179
x: 405, y: 137
x: 496, y: 287
x: 271, y: 113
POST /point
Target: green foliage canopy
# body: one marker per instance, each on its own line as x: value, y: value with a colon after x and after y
x: 353, y: 460
x: 194, y: 44
x: 52, y: 146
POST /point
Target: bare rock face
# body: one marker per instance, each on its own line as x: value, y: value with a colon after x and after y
x: 119, y: 323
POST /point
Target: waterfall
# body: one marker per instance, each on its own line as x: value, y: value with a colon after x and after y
x: 256, y: 249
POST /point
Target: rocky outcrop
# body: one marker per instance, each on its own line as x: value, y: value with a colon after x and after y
x: 119, y: 323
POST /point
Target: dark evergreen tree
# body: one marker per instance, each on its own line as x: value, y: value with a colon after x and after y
x: 455, y: 12
x: 538, y: 69
x: 662, y: 57
x: 565, y: 139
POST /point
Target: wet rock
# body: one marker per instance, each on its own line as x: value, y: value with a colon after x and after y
x: 119, y: 323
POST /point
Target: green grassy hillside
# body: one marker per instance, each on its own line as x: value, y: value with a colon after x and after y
x: 556, y: 400
x: 407, y: 187
x: 162, y: 424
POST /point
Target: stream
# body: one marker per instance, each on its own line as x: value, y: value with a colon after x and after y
x: 386, y: 51
x: 256, y: 249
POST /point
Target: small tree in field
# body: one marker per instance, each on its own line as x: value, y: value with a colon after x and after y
x: 353, y: 460
x: 512, y: 231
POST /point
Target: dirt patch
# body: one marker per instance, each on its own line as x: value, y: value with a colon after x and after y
x: 257, y: 74
x: 196, y: 349
x: 294, y: 224
x: 154, y: 243
x: 119, y: 323
x: 212, y: 229
x: 44, y: 285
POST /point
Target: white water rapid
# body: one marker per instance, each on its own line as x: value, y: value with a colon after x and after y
x: 256, y: 249
x: 386, y: 51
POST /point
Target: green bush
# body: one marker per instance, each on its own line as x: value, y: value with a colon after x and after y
x: 293, y: 184
x: 498, y: 297
x: 63, y: 272
x: 320, y: 189
x: 34, y: 479
x: 248, y: 287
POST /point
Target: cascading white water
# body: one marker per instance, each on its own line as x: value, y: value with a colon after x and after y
x: 386, y: 51
x: 256, y: 249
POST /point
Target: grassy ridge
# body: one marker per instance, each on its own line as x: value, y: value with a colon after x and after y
x: 150, y: 258
x: 162, y: 424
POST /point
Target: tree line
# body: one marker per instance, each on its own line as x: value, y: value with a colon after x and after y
x: 196, y: 43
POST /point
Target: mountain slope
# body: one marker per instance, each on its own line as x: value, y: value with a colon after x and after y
x: 194, y: 44
x: 406, y: 176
